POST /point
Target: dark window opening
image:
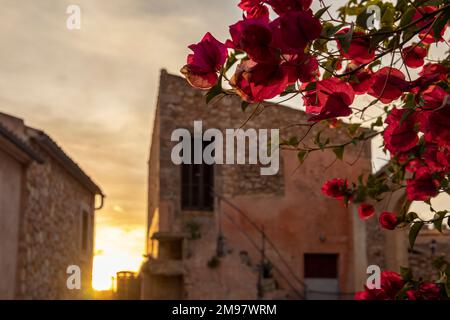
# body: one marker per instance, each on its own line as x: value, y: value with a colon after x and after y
x: 85, y: 230
x: 197, y: 182
x: 321, y: 266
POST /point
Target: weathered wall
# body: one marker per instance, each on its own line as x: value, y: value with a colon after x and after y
x: 50, y: 233
x: 289, y: 205
x: 11, y: 175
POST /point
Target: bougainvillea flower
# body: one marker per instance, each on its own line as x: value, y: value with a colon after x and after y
x: 414, y: 55
x: 366, y: 211
x: 247, y: 5
x: 389, y: 84
x: 436, y: 157
x: 435, y: 97
x: 427, y: 35
x: 388, y: 220
x: 401, y: 135
x: 361, y: 81
x: 336, y: 188
x: 256, y: 82
x: 390, y: 285
x: 253, y: 36
x: 425, y: 291
x: 437, y: 125
x: 334, y: 98
x: 284, y: 6
x: 359, y: 50
x: 207, y: 59
x: 430, y: 73
x: 294, y: 30
x: 423, y: 186
x: 260, y: 11
x: 303, y: 67
x: 254, y: 9
x: 434, y: 71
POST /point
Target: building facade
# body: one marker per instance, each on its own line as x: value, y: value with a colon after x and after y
x: 47, y: 212
x: 224, y: 231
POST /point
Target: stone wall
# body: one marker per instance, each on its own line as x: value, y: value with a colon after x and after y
x: 50, y: 233
x: 11, y: 177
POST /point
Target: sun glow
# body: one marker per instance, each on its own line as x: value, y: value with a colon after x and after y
x: 117, y: 249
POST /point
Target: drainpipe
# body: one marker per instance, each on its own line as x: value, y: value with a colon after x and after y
x: 102, y: 202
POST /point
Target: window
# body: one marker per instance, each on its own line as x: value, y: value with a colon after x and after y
x: 197, y: 181
x: 85, y: 230
x: 321, y: 266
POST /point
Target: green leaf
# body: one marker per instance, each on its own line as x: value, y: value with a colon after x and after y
x: 438, y: 219
x: 320, y: 12
x: 440, y: 24
x: 339, y: 152
x: 406, y: 274
x: 301, y: 155
x: 345, y: 39
x: 402, y: 5
x: 407, y: 17
x: 311, y: 86
x: 411, y: 216
x: 387, y: 20
x: 289, y: 90
x: 214, y: 91
x: 245, y: 105
x: 230, y: 62
x: 414, y: 231
x: 352, y: 128
x: 378, y: 123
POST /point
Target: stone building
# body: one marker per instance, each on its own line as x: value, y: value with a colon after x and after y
x: 47, y: 206
x: 226, y: 232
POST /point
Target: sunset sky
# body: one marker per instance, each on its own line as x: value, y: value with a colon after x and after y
x: 93, y: 90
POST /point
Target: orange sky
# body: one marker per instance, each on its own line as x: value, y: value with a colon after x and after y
x: 93, y: 90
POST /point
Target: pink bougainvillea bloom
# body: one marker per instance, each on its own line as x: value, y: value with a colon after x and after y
x: 437, y: 125
x: 366, y: 211
x: 253, y: 36
x: 414, y: 55
x: 359, y: 50
x: 389, y: 84
x: 207, y: 59
x: 256, y: 82
x: 400, y: 135
x: 388, y: 220
x: 422, y: 186
x: 427, y: 35
x: 435, y: 97
x: 303, y: 67
x: 284, y: 6
x: 333, y: 99
x: 294, y: 30
x: 391, y: 284
x: 361, y: 81
x: 336, y: 188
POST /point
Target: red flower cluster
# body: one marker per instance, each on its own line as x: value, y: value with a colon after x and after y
x: 419, y: 138
x: 425, y: 291
x: 336, y: 188
x: 388, y: 220
x: 391, y: 288
x: 391, y: 284
x: 275, y: 50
